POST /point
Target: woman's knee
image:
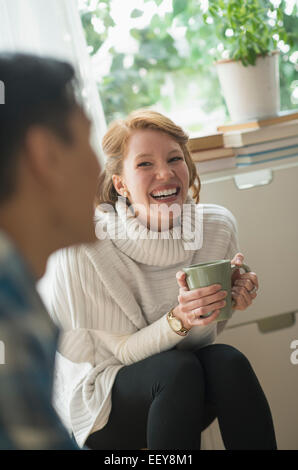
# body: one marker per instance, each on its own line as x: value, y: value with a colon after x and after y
x: 175, y: 359
x: 232, y: 357
x: 227, y: 361
x: 179, y: 366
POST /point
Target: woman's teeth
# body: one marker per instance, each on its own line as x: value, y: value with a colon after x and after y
x: 165, y: 194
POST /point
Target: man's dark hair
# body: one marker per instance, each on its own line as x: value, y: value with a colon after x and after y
x: 38, y: 91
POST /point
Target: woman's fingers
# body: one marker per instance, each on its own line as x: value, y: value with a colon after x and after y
x: 181, y: 279
x: 202, y: 302
x: 244, y: 285
x: 238, y: 259
x: 248, y: 285
x: 252, y: 277
x: 196, y: 294
x: 202, y: 311
x: 240, y: 303
x: 242, y: 298
x: 197, y: 321
x: 244, y: 290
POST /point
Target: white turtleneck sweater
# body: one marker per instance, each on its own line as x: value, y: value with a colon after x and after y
x: 111, y: 299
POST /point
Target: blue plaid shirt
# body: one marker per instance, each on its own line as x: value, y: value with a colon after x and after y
x: 28, y: 342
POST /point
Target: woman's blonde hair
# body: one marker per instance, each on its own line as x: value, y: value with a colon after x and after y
x: 115, y: 144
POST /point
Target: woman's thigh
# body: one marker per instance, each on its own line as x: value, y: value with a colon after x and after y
x: 226, y: 369
x: 133, y: 392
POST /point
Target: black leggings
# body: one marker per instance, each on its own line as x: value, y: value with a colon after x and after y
x: 165, y: 401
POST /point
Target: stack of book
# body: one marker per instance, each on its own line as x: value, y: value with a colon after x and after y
x: 210, y: 153
x: 264, y: 140
x: 246, y: 144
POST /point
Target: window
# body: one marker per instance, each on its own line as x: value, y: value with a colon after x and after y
x: 160, y: 54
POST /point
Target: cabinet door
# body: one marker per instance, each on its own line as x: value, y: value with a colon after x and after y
x: 267, y: 216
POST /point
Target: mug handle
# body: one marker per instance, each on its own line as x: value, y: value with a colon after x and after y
x: 246, y: 269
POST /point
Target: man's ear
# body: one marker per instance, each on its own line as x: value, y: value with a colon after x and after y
x: 43, y: 155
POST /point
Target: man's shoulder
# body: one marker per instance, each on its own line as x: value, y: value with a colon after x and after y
x: 16, y: 281
x: 22, y: 312
x: 13, y: 289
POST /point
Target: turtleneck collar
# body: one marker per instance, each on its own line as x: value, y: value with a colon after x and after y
x: 164, y: 248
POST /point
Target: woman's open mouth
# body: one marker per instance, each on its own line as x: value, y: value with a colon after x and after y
x: 166, y: 195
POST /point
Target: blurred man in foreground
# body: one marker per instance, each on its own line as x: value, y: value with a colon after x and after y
x: 48, y: 179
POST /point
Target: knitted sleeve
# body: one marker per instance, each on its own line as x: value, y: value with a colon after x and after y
x: 146, y: 342
x: 79, y: 300
x: 234, y: 239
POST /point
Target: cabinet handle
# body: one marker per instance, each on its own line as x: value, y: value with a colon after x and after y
x: 277, y: 322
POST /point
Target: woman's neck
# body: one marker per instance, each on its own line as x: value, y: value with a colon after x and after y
x: 156, y: 248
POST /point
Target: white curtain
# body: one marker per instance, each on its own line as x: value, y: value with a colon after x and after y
x: 53, y: 28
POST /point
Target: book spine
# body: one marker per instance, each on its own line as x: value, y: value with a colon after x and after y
x: 242, y: 164
x: 206, y: 155
x: 268, y: 154
x: 280, y: 144
x: 216, y: 165
x: 258, y: 124
x: 265, y: 134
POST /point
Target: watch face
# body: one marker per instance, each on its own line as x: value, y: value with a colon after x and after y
x: 177, y: 325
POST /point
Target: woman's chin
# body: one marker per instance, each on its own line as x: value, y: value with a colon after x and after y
x: 160, y: 215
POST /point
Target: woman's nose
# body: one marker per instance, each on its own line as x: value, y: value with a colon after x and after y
x: 164, y: 172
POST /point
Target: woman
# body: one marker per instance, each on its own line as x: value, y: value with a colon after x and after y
x: 126, y: 377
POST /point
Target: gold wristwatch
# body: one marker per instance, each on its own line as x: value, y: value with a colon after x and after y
x: 176, y: 324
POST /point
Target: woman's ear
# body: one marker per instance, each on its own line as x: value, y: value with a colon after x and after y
x: 119, y: 186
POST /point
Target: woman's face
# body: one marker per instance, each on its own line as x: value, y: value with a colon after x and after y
x: 156, y: 176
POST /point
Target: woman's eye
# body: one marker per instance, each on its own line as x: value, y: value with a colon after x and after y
x: 147, y: 164
x: 144, y: 164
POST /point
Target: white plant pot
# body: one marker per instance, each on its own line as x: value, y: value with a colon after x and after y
x: 250, y: 92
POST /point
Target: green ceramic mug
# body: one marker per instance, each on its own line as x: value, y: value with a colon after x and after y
x: 214, y: 272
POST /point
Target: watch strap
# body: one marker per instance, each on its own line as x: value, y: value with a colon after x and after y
x: 183, y: 331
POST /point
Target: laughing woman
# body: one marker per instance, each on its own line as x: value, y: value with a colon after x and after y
x: 128, y: 377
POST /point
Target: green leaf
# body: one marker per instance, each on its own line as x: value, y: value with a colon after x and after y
x: 135, y: 33
x: 108, y: 21
x: 178, y: 7
x: 158, y: 2
x: 136, y: 13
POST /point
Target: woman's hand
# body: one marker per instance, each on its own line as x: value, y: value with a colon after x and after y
x: 244, y: 286
x: 197, y: 302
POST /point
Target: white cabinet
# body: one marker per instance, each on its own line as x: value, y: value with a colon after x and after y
x: 267, y: 215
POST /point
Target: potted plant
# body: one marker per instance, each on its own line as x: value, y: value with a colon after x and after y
x: 248, y: 70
